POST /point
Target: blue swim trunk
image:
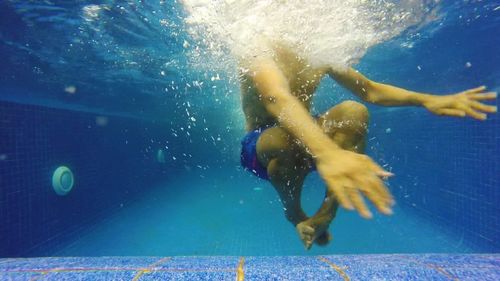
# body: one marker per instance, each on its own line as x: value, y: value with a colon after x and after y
x: 248, y: 157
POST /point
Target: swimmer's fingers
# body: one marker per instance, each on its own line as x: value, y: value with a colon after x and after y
x: 483, y: 107
x: 358, y: 202
x: 381, y: 191
x: 467, y: 111
x: 475, y: 90
x: 376, y: 190
x: 474, y: 114
x: 482, y: 96
x: 380, y: 203
x: 373, y: 188
x: 379, y: 171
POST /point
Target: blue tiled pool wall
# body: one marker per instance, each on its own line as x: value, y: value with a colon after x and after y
x: 447, y: 170
x: 113, y: 160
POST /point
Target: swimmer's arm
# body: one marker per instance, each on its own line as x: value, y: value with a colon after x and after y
x: 356, y: 176
x: 462, y: 104
x: 276, y: 96
x: 377, y: 93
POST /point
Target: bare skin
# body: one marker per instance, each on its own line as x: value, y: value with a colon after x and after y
x: 278, y: 91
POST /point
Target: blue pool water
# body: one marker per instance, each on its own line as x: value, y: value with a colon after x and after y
x: 222, y: 219
x: 103, y: 93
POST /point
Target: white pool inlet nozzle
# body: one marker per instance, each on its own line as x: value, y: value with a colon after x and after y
x: 62, y: 180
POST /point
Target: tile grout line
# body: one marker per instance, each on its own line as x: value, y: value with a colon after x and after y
x: 7, y: 260
x: 113, y: 269
x: 337, y: 268
x: 435, y: 267
x: 240, y: 273
x: 79, y: 269
x: 150, y: 268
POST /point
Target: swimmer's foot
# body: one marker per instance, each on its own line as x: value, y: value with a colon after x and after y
x: 324, y: 238
x: 310, y: 233
x: 306, y: 234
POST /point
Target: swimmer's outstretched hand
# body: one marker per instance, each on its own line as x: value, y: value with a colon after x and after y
x: 350, y: 175
x: 463, y: 104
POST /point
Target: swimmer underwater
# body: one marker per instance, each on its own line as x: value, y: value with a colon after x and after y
x: 284, y: 142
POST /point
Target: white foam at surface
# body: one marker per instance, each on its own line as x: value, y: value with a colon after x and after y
x: 326, y: 32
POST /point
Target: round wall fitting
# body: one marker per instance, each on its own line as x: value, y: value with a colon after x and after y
x: 62, y: 180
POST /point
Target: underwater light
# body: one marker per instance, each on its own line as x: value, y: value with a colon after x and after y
x: 62, y: 180
x: 160, y: 156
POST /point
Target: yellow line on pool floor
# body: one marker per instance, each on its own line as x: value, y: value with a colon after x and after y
x: 39, y: 276
x: 337, y: 268
x: 442, y: 271
x: 240, y: 274
x: 436, y: 267
x: 149, y: 268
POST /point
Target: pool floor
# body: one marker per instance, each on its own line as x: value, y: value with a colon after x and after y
x: 238, y: 215
x: 348, y: 267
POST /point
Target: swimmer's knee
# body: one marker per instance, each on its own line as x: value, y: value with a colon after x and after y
x: 349, y: 117
x: 352, y: 110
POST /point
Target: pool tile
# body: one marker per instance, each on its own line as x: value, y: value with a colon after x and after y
x: 88, y: 275
x: 355, y: 267
x: 209, y: 276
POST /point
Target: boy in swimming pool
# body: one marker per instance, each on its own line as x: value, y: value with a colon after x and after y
x: 284, y: 142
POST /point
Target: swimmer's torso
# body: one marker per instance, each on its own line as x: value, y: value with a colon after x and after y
x: 302, y: 80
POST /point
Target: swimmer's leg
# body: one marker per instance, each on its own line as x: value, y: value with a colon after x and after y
x: 282, y: 157
x: 346, y: 124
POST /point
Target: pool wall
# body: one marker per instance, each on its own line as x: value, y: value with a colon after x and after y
x: 113, y: 160
x: 447, y: 170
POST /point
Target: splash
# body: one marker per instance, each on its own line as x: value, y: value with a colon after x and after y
x: 325, y: 32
